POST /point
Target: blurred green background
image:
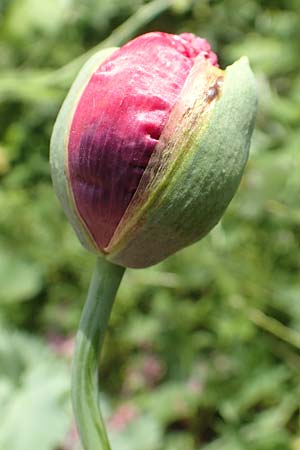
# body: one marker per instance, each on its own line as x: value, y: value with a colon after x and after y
x: 202, y: 350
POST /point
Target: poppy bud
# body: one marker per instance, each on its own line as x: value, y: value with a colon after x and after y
x: 150, y: 145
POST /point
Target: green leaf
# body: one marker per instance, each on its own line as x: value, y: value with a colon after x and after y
x: 19, y: 279
x: 34, y: 394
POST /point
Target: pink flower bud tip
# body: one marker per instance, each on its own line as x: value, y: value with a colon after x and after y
x: 118, y: 122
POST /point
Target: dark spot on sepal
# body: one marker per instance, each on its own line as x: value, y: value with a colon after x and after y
x: 214, y: 90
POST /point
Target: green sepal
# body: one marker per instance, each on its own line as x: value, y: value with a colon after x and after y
x: 191, y: 199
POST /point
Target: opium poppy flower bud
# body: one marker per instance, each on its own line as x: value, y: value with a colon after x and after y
x: 150, y: 145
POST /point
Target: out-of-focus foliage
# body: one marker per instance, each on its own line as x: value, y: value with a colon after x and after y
x: 203, y: 349
x: 33, y: 394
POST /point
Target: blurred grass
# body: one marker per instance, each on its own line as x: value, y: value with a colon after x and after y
x: 203, y: 349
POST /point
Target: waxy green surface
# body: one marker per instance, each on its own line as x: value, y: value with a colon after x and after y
x: 193, y: 196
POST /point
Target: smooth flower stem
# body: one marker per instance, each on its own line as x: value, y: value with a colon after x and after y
x: 85, y: 381
x: 22, y: 81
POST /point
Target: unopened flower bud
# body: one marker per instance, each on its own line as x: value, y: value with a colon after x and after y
x: 150, y: 145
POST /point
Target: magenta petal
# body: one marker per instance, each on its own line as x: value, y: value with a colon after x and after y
x: 118, y: 121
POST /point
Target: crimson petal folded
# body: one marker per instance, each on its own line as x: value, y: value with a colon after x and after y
x: 118, y: 122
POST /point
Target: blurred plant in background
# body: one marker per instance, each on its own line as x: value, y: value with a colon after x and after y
x: 203, y: 349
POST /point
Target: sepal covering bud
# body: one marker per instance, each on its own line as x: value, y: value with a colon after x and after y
x: 181, y: 186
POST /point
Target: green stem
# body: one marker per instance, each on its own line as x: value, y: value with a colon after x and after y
x: 24, y: 83
x: 119, y: 36
x: 85, y: 382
